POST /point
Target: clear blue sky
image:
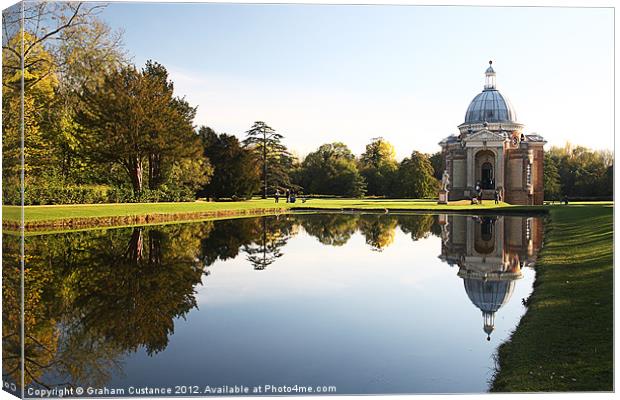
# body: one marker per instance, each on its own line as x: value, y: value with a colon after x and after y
x: 323, y: 73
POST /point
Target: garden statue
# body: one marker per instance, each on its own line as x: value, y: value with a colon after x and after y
x: 443, y: 192
x: 445, y: 180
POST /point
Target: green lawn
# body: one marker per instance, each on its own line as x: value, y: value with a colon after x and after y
x: 51, y: 213
x: 565, y: 340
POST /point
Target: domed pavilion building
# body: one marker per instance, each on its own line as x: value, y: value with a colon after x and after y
x: 493, y: 152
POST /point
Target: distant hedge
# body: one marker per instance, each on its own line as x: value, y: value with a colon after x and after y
x: 89, y: 194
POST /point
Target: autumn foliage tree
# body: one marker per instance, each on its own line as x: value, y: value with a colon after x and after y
x: 64, y: 45
x: 378, y: 166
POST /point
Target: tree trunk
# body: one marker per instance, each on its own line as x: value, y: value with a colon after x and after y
x: 264, y: 167
x: 134, y: 249
x: 155, y: 248
x: 154, y: 171
x: 135, y: 174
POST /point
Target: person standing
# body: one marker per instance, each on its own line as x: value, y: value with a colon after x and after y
x: 277, y: 196
x: 479, y: 192
x: 288, y: 195
x: 496, y: 196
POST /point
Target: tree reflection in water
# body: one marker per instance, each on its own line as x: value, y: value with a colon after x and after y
x: 379, y: 230
x: 93, y: 297
x: 266, y: 248
x: 333, y: 229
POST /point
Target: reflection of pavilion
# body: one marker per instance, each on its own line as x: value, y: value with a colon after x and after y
x: 490, y: 252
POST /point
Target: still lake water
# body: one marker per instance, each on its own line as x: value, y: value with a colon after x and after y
x: 366, y: 303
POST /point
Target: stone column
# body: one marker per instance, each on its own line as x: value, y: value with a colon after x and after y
x: 470, y: 237
x: 499, y: 177
x: 471, y: 168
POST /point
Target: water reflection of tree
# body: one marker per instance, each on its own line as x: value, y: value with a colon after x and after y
x: 227, y: 237
x: 330, y: 229
x: 131, y: 294
x: 40, y: 337
x: 93, y: 296
x: 419, y: 226
x: 266, y: 248
x: 378, y: 229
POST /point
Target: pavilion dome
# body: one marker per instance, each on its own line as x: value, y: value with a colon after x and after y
x: 490, y: 105
x: 489, y: 296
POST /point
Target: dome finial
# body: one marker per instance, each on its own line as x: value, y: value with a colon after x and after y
x: 489, y: 82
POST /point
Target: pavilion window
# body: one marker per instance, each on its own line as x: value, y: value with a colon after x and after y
x: 528, y: 229
x: 528, y: 174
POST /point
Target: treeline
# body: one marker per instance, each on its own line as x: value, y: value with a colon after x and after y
x: 98, y: 129
x: 576, y: 172
x: 262, y: 164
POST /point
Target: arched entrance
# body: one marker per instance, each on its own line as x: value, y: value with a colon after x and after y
x: 485, y: 169
x: 487, y: 180
x: 484, y: 238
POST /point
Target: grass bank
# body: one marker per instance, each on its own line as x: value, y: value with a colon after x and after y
x: 86, y: 215
x: 565, y: 340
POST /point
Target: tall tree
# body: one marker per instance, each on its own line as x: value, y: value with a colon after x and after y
x: 38, y: 93
x: 64, y: 43
x: 48, y: 24
x: 378, y: 166
x: 551, y: 181
x: 275, y: 159
x: 117, y: 118
x: 332, y: 170
x: 437, y: 161
x: 236, y: 172
x: 174, y: 145
x: 415, y: 177
x: 132, y: 119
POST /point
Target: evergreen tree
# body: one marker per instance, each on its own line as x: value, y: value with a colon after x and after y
x: 275, y: 159
x: 236, y: 172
